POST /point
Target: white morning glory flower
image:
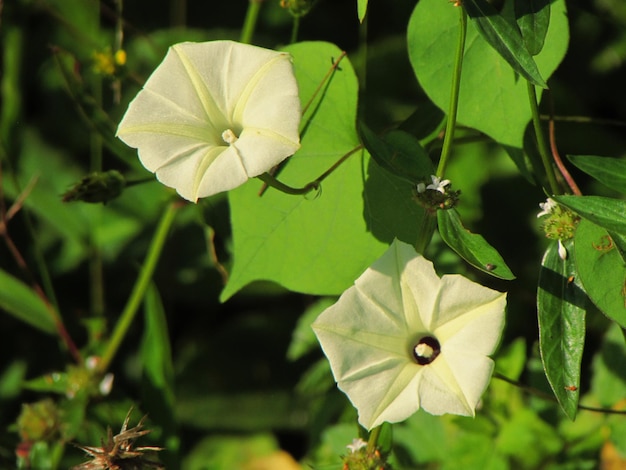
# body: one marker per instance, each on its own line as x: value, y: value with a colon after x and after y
x: 402, y: 338
x: 214, y: 114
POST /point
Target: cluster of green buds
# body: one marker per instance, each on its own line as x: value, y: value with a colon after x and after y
x: 297, y: 8
x: 362, y: 458
x: 436, y: 195
x: 559, y: 222
x: 38, y: 421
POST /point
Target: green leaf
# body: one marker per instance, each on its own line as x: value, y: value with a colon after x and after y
x: 603, y: 211
x: 156, y: 354
x: 158, y: 375
x: 601, y: 269
x: 19, y: 300
x: 609, y: 171
x: 303, y: 339
x: 320, y: 245
x: 399, y: 153
x: 472, y: 247
x: 525, y: 430
x: 561, y: 308
x: 505, y: 38
x: 492, y: 97
x: 361, y: 9
x: 533, y: 19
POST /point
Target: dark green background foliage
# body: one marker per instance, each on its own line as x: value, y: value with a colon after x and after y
x: 229, y: 383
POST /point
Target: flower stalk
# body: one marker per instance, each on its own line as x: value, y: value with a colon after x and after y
x: 454, y: 95
x: 249, y: 24
x: 541, y: 142
x: 139, y: 290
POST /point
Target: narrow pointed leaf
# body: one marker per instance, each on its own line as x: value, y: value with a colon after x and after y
x: 472, y: 247
x: 602, y: 270
x: 361, y: 9
x: 505, y: 38
x: 561, y: 308
x: 609, y: 171
x: 533, y: 19
x: 606, y: 212
x: 17, y: 299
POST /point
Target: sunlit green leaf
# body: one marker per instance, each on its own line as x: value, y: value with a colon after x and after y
x: 608, y: 171
x: 561, y: 309
x: 606, y: 212
x: 505, y: 38
x: 320, y: 244
x: 493, y: 98
x: 19, y: 300
x: 601, y: 269
x: 472, y: 247
x: 303, y: 340
x: 533, y: 19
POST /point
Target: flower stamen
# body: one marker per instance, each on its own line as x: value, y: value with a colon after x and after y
x: 426, y: 350
x: 229, y: 137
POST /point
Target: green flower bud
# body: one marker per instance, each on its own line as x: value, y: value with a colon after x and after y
x: 97, y: 187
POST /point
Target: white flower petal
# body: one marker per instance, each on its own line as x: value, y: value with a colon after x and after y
x: 202, y: 90
x: 389, y: 394
x: 469, y: 315
x: 471, y: 372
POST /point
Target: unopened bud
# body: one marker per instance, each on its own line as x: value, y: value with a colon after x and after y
x: 97, y: 187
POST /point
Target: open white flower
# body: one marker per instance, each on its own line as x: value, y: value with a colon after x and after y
x: 402, y: 338
x: 547, y: 207
x: 438, y: 184
x: 214, y: 114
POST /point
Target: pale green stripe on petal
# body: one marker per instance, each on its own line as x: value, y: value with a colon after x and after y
x: 179, y: 130
x: 214, y: 114
x: 242, y: 101
x: 392, y: 344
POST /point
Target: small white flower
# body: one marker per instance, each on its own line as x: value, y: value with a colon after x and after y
x: 547, y: 207
x: 357, y: 444
x: 214, y: 114
x: 421, y: 188
x: 402, y: 338
x: 438, y: 184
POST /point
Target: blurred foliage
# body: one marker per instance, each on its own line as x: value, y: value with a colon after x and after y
x: 242, y: 384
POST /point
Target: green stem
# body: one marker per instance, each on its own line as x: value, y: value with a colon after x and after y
x: 139, y: 290
x: 249, y: 23
x: 544, y: 152
x: 426, y: 231
x: 282, y: 187
x: 294, y: 29
x: 454, y: 95
x: 372, y: 442
x: 270, y: 180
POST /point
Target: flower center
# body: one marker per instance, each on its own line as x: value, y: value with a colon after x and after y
x: 426, y: 350
x: 229, y: 137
